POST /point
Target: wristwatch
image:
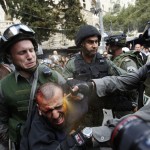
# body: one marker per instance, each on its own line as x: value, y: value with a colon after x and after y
x: 87, y: 132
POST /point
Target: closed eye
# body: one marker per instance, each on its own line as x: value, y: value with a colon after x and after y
x: 58, y: 107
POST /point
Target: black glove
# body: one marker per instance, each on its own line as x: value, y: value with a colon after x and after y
x: 84, y: 87
x: 77, y: 139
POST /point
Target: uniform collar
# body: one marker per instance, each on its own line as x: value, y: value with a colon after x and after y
x: 18, y: 75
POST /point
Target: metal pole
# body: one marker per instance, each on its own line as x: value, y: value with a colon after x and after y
x: 102, y: 45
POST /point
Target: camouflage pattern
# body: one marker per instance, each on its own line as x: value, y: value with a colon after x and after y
x: 126, y: 64
x: 129, y: 61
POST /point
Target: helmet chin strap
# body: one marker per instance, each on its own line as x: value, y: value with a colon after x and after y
x: 29, y: 70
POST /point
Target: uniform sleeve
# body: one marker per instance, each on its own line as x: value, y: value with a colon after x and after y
x: 60, y: 78
x: 129, y: 65
x: 57, y: 77
x: 125, y: 82
x: 3, y: 123
x: 114, y: 70
x: 69, y: 69
x: 144, y: 112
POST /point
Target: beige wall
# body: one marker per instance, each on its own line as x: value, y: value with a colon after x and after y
x: 2, y: 14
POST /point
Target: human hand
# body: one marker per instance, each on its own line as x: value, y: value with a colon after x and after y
x: 85, y: 88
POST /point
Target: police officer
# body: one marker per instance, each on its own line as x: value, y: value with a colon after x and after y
x: 19, y: 46
x: 115, y: 43
x: 89, y: 64
x: 109, y: 84
x: 128, y: 61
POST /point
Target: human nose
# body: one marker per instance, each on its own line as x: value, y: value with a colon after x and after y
x: 29, y: 54
x: 55, y: 114
x: 95, y: 44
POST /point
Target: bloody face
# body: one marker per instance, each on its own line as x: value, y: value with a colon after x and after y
x: 53, y: 109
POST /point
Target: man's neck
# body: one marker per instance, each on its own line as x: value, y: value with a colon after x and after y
x: 26, y: 75
x: 117, y: 53
x: 87, y: 59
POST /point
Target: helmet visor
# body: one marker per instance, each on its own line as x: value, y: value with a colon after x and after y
x: 15, y: 30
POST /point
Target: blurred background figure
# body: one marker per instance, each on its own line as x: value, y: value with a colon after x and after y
x: 55, y: 57
x: 105, y: 54
x: 146, y: 50
x: 138, y: 48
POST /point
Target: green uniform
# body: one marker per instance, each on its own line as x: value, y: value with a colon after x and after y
x: 58, y: 68
x: 99, y: 67
x: 126, y: 62
x: 129, y: 61
x: 14, y: 100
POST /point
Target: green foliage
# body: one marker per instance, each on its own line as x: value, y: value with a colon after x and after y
x: 131, y: 18
x: 72, y: 19
x: 116, y: 8
x: 44, y: 16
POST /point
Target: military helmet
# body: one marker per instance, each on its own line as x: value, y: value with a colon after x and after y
x: 15, y: 33
x: 116, y: 39
x: 84, y: 32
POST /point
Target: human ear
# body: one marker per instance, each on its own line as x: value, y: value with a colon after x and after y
x: 40, y: 113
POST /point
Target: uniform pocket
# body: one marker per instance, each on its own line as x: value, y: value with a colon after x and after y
x: 22, y: 105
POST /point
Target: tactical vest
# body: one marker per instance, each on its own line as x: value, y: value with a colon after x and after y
x: 17, y: 95
x: 135, y: 56
x: 94, y: 70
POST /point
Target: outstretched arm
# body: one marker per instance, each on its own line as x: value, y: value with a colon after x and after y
x: 125, y: 82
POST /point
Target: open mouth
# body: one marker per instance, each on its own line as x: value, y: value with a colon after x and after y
x: 60, y: 120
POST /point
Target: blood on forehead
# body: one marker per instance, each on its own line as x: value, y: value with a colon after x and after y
x: 49, y: 103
